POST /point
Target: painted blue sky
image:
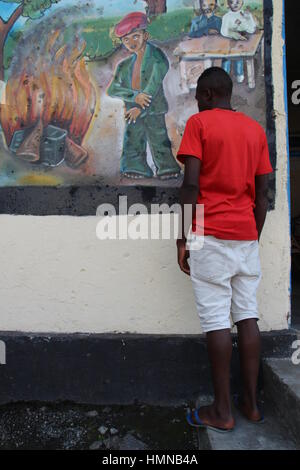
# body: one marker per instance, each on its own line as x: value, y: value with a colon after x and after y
x: 111, y: 7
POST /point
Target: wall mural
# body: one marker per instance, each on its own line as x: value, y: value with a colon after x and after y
x: 99, y: 92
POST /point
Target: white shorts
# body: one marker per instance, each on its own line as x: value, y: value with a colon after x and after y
x: 225, y: 276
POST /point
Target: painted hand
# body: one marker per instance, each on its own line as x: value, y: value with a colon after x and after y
x: 143, y: 100
x: 183, y: 255
x: 132, y: 115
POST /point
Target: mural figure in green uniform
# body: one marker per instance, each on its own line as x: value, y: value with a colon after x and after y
x: 138, y: 80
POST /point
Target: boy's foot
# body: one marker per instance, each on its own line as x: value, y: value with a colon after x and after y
x: 240, y: 78
x: 253, y: 414
x: 207, y: 416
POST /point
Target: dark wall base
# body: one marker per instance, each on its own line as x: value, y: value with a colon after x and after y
x: 115, y: 369
x: 78, y: 200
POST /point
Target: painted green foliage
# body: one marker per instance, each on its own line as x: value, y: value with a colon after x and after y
x: 32, y: 9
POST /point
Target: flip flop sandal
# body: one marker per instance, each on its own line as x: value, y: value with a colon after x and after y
x: 201, y: 424
x: 236, y: 401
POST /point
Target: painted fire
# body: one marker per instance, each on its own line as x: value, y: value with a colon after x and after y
x: 50, y: 105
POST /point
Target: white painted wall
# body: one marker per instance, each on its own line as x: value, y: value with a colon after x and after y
x: 56, y: 276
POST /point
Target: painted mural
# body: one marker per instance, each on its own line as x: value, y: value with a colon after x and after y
x: 99, y: 92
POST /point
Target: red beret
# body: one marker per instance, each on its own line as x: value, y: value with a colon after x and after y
x: 129, y: 23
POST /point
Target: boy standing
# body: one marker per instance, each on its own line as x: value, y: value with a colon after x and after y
x: 235, y: 25
x: 207, y: 23
x: 226, y: 169
x: 138, y: 80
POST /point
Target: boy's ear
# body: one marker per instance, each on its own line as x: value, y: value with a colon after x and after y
x: 207, y: 94
x: 146, y: 35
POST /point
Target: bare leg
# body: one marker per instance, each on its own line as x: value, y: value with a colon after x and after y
x: 219, y: 414
x: 249, y: 349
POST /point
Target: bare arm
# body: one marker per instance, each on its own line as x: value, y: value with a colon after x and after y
x: 261, y: 201
x: 188, y: 196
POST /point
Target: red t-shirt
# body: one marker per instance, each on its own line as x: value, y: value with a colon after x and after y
x: 233, y: 150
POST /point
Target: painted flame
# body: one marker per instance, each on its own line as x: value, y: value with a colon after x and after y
x: 60, y: 91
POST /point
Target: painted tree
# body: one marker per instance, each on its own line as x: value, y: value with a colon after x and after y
x: 32, y: 9
x: 156, y: 7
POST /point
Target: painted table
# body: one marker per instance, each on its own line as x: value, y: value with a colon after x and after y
x: 199, y: 54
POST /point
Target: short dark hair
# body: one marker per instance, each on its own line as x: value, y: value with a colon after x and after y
x: 216, y: 79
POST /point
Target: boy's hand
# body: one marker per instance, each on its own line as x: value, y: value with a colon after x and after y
x: 183, y: 255
x: 143, y: 100
x: 132, y: 115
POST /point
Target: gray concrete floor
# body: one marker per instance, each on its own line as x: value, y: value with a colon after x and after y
x: 70, y: 426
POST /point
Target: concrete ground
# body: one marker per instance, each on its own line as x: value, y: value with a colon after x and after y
x: 67, y: 426
x: 72, y: 427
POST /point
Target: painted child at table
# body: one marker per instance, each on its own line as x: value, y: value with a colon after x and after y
x: 236, y: 24
x: 207, y: 23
